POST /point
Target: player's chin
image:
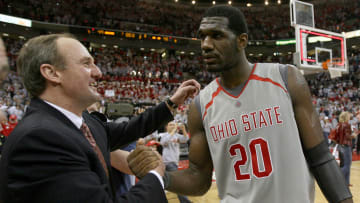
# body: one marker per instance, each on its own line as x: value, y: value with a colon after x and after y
x: 213, y: 68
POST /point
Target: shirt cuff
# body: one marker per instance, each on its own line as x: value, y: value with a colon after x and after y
x: 158, y: 176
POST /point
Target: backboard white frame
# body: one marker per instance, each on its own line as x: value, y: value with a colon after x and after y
x: 320, y: 32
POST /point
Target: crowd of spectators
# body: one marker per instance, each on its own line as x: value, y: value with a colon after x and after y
x: 146, y: 77
x: 264, y: 22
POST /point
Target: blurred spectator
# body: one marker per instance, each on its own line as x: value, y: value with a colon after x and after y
x: 170, y: 140
x: 326, y: 126
x: 8, y: 126
x: 343, y: 137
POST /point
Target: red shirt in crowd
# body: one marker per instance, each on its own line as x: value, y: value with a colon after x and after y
x: 7, y: 128
x: 343, y: 134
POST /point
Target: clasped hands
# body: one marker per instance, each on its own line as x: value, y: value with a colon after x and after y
x: 144, y: 159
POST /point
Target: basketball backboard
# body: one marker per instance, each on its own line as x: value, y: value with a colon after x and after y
x: 320, y: 49
x: 301, y: 13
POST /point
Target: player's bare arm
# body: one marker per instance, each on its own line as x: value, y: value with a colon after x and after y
x: 322, y: 164
x: 196, y: 180
x: 306, y: 117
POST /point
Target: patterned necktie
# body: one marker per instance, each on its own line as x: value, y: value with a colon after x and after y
x: 85, y: 129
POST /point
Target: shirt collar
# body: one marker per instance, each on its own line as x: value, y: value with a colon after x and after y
x: 77, y: 121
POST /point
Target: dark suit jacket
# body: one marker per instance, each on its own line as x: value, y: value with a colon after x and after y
x: 48, y: 159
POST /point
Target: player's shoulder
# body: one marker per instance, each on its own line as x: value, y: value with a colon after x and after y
x: 209, y: 89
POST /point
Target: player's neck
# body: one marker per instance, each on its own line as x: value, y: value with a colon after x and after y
x: 237, y: 75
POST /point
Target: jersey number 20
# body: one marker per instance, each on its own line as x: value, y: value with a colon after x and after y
x: 236, y: 148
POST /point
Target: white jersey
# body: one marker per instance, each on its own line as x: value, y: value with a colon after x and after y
x: 254, y: 141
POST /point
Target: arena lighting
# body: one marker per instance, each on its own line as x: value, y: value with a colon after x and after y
x: 103, y: 45
x: 251, y: 54
x: 279, y: 1
x: 248, y: 4
x: 352, y: 34
x: 285, y: 42
x: 319, y: 39
x: 193, y: 2
x: 214, y: 2
x: 229, y: 2
x: 116, y: 46
x: 152, y: 49
x: 266, y: 3
x: 109, y: 33
x: 142, y: 49
x: 176, y: 0
x: 15, y: 20
x: 182, y: 52
x: 5, y: 34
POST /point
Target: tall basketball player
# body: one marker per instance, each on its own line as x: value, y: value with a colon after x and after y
x: 255, y: 125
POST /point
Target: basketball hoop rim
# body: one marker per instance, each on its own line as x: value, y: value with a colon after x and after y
x: 331, y: 63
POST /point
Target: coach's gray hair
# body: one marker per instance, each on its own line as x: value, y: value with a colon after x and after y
x: 37, y: 51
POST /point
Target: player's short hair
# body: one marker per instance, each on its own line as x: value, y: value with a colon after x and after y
x: 37, y: 51
x: 237, y: 22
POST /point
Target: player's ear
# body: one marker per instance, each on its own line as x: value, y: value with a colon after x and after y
x: 242, y: 40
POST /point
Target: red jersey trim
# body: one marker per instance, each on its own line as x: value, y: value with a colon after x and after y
x: 256, y: 77
x: 218, y: 90
x: 252, y: 72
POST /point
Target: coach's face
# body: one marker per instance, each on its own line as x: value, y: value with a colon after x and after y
x: 218, y: 44
x: 80, y: 72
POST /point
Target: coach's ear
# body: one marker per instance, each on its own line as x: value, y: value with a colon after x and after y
x: 242, y: 41
x: 50, y: 73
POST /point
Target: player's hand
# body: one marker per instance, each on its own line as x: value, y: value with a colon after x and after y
x: 143, y: 159
x: 4, y: 66
x: 189, y: 88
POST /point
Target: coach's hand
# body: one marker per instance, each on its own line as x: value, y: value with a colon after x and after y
x: 143, y: 159
x: 189, y: 88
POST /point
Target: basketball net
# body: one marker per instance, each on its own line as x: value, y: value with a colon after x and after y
x: 334, y: 73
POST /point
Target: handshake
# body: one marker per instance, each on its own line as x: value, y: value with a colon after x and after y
x: 144, y: 159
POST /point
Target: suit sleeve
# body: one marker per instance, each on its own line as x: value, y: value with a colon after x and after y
x: 148, y: 189
x: 139, y: 126
x: 46, y: 166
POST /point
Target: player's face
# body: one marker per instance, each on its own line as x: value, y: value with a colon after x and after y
x: 80, y: 72
x: 218, y: 44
